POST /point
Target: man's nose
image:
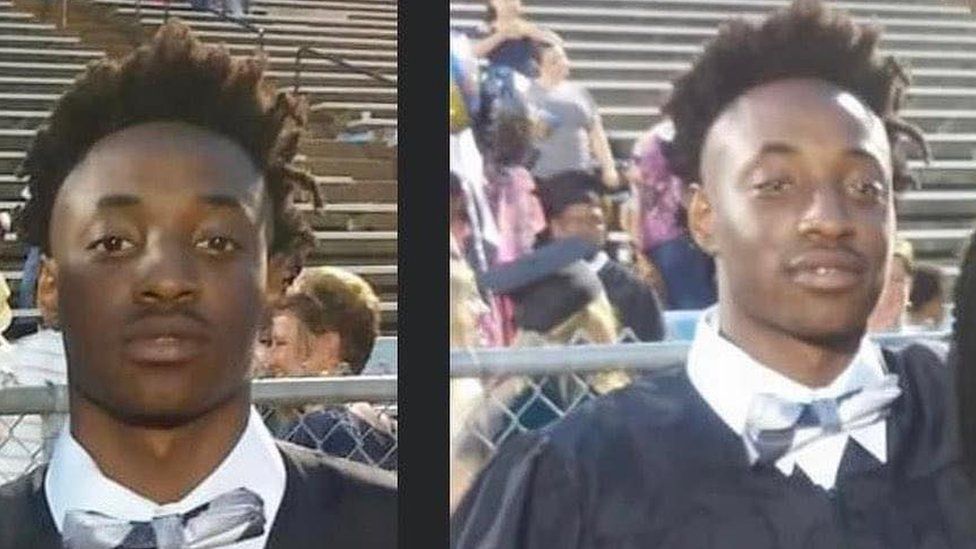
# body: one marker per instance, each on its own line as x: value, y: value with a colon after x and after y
x: 168, y: 273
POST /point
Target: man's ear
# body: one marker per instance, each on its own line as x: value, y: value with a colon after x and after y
x: 47, y: 291
x: 701, y: 219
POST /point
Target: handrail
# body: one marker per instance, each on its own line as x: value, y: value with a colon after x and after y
x: 306, y: 49
x: 221, y: 13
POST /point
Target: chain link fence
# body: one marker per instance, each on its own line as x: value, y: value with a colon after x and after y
x: 498, y: 393
x: 349, y: 417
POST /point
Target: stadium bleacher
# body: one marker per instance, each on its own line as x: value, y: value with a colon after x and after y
x: 625, y: 52
x: 358, y: 227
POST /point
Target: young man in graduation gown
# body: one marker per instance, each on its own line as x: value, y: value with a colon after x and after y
x: 571, y: 203
x: 786, y: 427
x: 160, y: 194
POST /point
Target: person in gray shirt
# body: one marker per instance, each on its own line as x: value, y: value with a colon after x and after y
x: 569, y: 134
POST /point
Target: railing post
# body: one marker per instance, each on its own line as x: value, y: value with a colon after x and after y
x: 298, y: 68
x: 139, y: 10
x: 166, y: 12
x: 64, y: 14
x: 261, y: 39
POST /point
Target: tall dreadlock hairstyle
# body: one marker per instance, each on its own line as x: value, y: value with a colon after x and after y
x: 963, y: 355
x: 806, y: 40
x: 174, y: 78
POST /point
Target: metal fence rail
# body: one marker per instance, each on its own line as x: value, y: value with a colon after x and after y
x: 498, y: 393
x: 351, y: 417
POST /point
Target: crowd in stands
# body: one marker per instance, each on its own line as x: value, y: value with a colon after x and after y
x: 536, y: 193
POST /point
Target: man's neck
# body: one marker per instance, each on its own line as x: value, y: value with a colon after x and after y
x: 160, y: 464
x: 811, y: 363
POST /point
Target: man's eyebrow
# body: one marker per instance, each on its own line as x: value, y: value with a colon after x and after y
x: 862, y: 153
x: 777, y: 147
x: 223, y: 201
x: 117, y: 201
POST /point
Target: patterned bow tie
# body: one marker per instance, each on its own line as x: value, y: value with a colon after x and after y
x: 232, y: 517
x: 775, y: 427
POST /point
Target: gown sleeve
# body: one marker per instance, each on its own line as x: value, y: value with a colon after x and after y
x: 527, y: 497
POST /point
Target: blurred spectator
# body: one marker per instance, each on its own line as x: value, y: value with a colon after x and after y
x: 509, y: 40
x: 466, y: 394
x: 37, y: 359
x: 570, y: 133
x: 572, y: 207
x: 467, y: 306
x: 660, y: 226
x: 559, y: 300
x: 327, y: 325
x: 926, y: 303
x: 888, y: 314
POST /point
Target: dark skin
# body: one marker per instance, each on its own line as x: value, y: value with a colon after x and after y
x: 159, y: 266
x: 796, y: 206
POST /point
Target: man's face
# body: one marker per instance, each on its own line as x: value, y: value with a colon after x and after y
x: 286, y: 353
x: 580, y: 220
x: 159, y: 242
x: 796, y: 206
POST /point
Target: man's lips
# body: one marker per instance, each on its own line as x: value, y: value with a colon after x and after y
x: 828, y: 270
x: 164, y: 339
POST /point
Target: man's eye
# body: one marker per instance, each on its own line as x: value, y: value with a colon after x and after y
x: 111, y: 244
x: 218, y: 244
x: 774, y: 185
x: 867, y: 188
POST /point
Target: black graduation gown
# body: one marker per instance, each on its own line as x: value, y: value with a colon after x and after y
x: 328, y: 502
x: 652, y: 465
x: 636, y: 303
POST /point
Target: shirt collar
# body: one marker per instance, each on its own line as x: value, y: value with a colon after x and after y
x: 74, y: 481
x: 728, y: 379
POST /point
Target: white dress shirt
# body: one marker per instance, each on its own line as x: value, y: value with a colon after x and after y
x: 728, y: 379
x: 74, y: 481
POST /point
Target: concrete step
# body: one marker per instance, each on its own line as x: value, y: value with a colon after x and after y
x: 931, y: 205
x: 377, y: 109
x: 359, y: 191
x: 945, y: 174
x: 387, y: 11
x: 683, y: 34
x: 652, y: 14
x: 337, y: 7
x: 7, y: 39
x: 27, y: 54
x: 357, y: 168
x: 240, y: 36
x: 355, y: 245
x: 291, y: 29
x: 942, y: 242
x: 327, y: 148
x: 344, y: 19
x: 902, y: 9
x: 379, y: 93
x: 351, y: 55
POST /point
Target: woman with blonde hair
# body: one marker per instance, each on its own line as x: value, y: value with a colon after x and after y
x: 326, y: 326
